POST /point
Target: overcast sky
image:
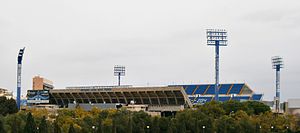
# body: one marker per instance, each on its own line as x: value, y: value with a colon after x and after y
x: 161, y: 42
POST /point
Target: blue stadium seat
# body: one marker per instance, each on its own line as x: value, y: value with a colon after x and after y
x: 201, y: 89
x: 211, y: 90
x: 257, y: 97
x: 190, y: 89
x: 224, y: 88
x: 236, y: 88
x: 224, y: 99
x: 239, y: 98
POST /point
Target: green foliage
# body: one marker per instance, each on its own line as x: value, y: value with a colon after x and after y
x: 227, y: 117
x: 56, y: 128
x: 250, y: 107
x: 141, y: 120
x: 155, y: 125
x: 15, y: 123
x: 43, y: 127
x: 7, y: 106
x: 2, y: 130
x: 30, y: 126
x: 71, y: 129
x: 257, y: 107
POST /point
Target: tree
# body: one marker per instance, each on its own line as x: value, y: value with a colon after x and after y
x: 140, y: 120
x: 257, y: 107
x: 2, y: 130
x: 129, y: 126
x: 155, y: 125
x: 163, y: 124
x: 56, y: 128
x: 212, y: 109
x: 227, y: 124
x: 7, y: 106
x: 107, y: 125
x: 43, y: 128
x: 15, y: 122
x: 245, y: 122
x: 173, y: 127
x: 30, y: 126
x: 182, y: 127
x: 12, y: 106
x: 99, y: 127
x: 71, y: 129
x: 233, y: 106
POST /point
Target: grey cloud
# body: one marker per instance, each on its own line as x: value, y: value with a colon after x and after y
x: 75, y: 42
x: 285, y: 18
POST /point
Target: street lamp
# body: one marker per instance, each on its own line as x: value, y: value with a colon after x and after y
x: 272, y: 127
x: 277, y: 64
x: 93, y: 127
x: 19, y: 71
x: 217, y: 38
x: 203, y: 127
x: 119, y: 71
x: 148, y: 128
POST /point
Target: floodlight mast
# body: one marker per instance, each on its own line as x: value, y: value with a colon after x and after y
x: 277, y: 64
x: 217, y: 38
x: 19, y: 71
x: 119, y: 71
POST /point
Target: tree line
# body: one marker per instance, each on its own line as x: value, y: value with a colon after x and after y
x: 226, y: 117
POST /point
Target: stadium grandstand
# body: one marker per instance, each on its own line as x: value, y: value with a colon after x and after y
x: 202, y: 93
x: 170, y: 98
x: 156, y: 98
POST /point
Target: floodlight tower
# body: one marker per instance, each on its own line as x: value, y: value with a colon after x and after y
x: 119, y: 71
x: 217, y: 38
x: 277, y: 64
x: 19, y: 70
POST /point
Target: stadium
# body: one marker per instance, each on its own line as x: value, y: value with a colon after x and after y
x: 170, y: 98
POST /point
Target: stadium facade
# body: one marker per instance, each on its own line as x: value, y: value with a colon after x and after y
x: 170, y: 98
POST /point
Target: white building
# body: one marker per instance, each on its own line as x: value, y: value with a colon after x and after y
x: 5, y: 93
x: 293, y: 107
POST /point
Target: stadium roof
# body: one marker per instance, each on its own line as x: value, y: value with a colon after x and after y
x: 140, y: 95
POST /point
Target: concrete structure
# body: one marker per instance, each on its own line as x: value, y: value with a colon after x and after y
x: 155, y: 98
x: 89, y: 106
x: 40, y: 83
x: 293, y: 107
